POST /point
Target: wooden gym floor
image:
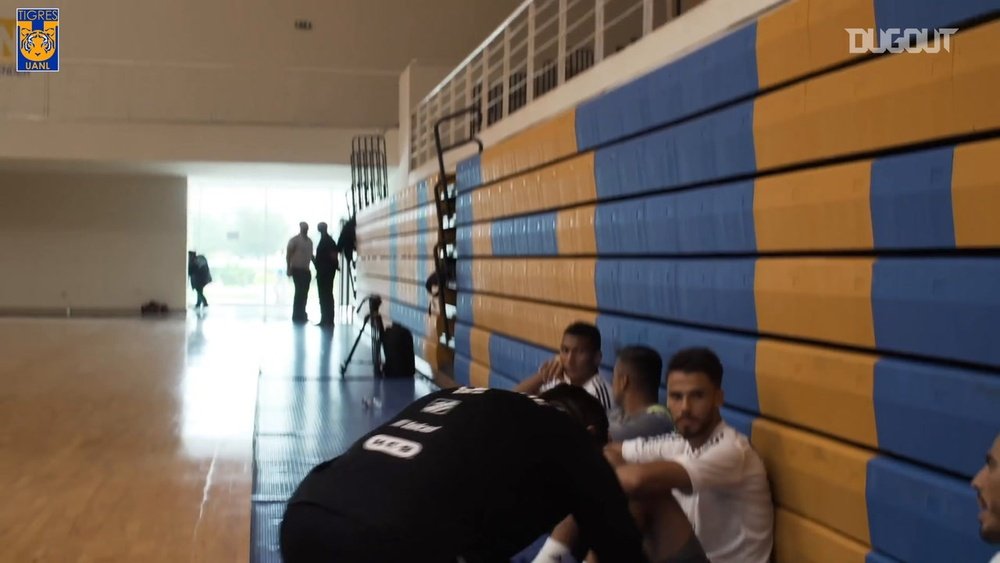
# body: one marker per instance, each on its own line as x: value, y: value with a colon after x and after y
x: 134, y: 440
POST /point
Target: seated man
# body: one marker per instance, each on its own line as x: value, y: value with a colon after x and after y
x: 471, y: 473
x: 635, y: 387
x: 709, y: 468
x: 987, y: 485
x: 577, y: 364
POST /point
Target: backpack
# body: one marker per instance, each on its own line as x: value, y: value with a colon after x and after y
x: 397, y: 342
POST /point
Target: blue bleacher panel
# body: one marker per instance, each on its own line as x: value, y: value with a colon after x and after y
x: 920, y: 516
x: 723, y: 71
x: 468, y: 174
x: 710, y: 292
x: 921, y: 409
x: 911, y: 200
x: 930, y: 14
x: 713, y: 147
x: 945, y: 307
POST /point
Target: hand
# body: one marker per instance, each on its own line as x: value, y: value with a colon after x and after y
x: 550, y: 370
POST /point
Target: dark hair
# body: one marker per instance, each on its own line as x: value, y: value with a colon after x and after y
x: 586, y: 331
x: 646, y: 365
x: 694, y: 360
x: 581, y: 406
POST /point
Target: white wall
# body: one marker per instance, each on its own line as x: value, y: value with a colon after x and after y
x: 96, y: 243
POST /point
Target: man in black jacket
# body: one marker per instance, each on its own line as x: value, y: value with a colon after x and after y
x: 326, y: 270
x: 465, y: 474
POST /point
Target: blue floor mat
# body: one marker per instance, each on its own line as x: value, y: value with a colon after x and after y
x: 307, y: 412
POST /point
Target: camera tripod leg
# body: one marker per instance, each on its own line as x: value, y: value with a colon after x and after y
x: 343, y: 366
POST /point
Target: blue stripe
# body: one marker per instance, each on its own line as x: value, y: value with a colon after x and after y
x: 468, y: 174
x: 705, y: 220
x: 710, y: 292
x: 464, y: 276
x: 515, y: 359
x: 911, y: 200
x: 463, y: 339
x: 422, y: 193
x: 937, y: 415
x: 875, y: 557
x: 463, y: 239
x: 464, y: 306
x: 943, y: 307
x: 462, y: 369
x: 532, y: 235
x: 930, y: 14
x: 737, y: 353
x: 709, y: 148
x: 922, y: 517
x: 463, y: 209
x: 720, y: 72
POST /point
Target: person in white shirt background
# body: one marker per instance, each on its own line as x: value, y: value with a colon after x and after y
x: 298, y: 257
x: 577, y: 364
x: 987, y: 485
x: 711, y: 469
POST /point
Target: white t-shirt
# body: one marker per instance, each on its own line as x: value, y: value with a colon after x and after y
x: 730, y: 507
x: 596, y: 386
x: 301, y: 248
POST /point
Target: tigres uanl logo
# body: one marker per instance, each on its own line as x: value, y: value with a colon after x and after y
x: 37, y: 40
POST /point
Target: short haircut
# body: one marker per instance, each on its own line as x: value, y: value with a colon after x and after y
x: 699, y: 359
x: 646, y: 365
x: 588, y: 332
x: 581, y: 406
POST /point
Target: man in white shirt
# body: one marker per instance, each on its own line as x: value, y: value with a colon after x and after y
x: 577, y: 364
x: 987, y: 485
x: 298, y: 257
x: 710, y: 469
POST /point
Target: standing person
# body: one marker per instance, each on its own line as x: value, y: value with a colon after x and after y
x: 326, y: 270
x: 200, y: 276
x: 298, y: 257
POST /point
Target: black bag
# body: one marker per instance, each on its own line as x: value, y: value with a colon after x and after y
x: 397, y: 341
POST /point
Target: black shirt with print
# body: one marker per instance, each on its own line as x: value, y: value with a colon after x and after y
x: 477, y: 471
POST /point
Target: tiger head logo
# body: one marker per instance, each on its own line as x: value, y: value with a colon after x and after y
x: 38, y: 44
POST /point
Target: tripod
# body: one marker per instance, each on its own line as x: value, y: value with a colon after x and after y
x: 374, y: 302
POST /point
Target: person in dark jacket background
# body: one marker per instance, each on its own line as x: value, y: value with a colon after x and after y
x: 200, y: 275
x: 326, y: 263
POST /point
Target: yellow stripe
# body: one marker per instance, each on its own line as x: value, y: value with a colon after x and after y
x: 482, y: 239
x: 480, y: 346
x: 532, y: 322
x: 825, y: 299
x: 975, y: 194
x: 540, y: 144
x: 820, y: 389
x: 824, y: 208
x: 800, y: 540
x: 807, y: 35
x: 821, y: 479
x: 883, y: 103
x: 575, y: 231
x: 479, y: 376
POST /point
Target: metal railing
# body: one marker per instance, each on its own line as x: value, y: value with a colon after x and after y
x: 541, y: 46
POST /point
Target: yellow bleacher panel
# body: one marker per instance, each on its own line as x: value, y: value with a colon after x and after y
x: 479, y: 376
x: 800, y: 540
x: 540, y: 144
x: 824, y: 390
x: 575, y: 231
x: 975, y: 194
x: 826, y: 299
x: 887, y: 102
x: 807, y: 35
x: 821, y: 479
x: 819, y: 209
x: 480, y: 346
x: 532, y: 322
